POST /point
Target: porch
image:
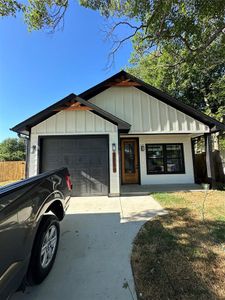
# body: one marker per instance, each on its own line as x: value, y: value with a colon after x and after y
x: 136, y: 189
x: 162, y: 163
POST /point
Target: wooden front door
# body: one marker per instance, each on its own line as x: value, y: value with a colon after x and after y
x: 130, y: 161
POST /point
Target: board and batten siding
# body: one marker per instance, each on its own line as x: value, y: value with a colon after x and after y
x: 76, y: 123
x: 145, y: 113
x: 187, y: 177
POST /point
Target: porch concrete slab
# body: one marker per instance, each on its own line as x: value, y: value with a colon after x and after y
x: 93, y: 260
x: 136, y: 189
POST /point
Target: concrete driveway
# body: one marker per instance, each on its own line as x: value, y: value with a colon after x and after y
x: 93, y: 260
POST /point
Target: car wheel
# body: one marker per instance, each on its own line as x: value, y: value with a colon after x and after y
x: 44, y: 250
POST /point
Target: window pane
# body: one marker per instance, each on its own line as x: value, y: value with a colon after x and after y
x: 129, y: 157
x: 174, y: 165
x: 164, y: 158
x: 155, y: 151
x: 155, y: 165
x: 173, y: 151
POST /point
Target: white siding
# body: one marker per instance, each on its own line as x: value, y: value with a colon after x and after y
x: 73, y: 122
x: 188, y: 177
x: 145, y: 113
x: 76, y: 123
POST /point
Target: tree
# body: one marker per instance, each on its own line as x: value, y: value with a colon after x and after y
x: 179, y: 45
x: 12, y: 149
x: 38, y: 14
x: 193, y: 24
x: 199, y: 83
x: 189, y: 24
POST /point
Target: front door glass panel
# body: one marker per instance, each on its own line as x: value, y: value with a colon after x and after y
x: 129, y: 157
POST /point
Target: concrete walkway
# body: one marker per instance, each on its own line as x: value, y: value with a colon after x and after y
x: 93, y: 260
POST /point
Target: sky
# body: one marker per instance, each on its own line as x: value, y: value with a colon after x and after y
x: 39, y: 68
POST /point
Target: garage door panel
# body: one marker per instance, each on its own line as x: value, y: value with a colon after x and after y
x: 85, y: 157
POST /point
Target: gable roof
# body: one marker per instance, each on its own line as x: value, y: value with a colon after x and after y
x: 213, y: 124
x: 25, y: 126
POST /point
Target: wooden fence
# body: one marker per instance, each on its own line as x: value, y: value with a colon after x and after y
x: 12, y: 170
x: 201, y: 171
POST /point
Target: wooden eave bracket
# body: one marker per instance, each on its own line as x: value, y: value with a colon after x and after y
x: 126, y: 82
x: 74, y: 107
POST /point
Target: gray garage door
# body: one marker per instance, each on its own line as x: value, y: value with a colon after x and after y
x: 86, y: 157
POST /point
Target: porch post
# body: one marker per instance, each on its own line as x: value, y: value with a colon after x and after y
x: 209, y: 159
x: 193, y: 158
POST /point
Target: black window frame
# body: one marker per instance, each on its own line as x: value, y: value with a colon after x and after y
x: 165, y: 158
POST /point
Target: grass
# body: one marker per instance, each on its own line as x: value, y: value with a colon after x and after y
x: 181, y: 255
x: 2, y: 183
x: 214, y: 203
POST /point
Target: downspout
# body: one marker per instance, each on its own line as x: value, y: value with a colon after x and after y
x: 119, y: 158
x: 27, y: 152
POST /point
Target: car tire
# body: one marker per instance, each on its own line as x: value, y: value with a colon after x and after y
x: 44, y: 250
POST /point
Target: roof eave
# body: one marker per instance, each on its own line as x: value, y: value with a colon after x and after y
x: 162, y: 96
x: 217, y: 128
x: 25, y: 126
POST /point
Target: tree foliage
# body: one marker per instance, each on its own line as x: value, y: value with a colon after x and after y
x: 194, y: 24
x: 12, y: 149
x: 38, y: 14
x: 199, y: 83
x: 179, y: 45
x: 9, y: 8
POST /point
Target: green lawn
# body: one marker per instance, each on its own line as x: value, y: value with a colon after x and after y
x: 181, y: 255
x: 212, y: 201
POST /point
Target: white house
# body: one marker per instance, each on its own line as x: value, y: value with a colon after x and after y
x: 121, y: 131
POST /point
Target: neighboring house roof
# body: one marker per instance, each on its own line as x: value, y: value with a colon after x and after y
x: 25, y: 126
x: 152, y: 91
x: 120, y: 79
